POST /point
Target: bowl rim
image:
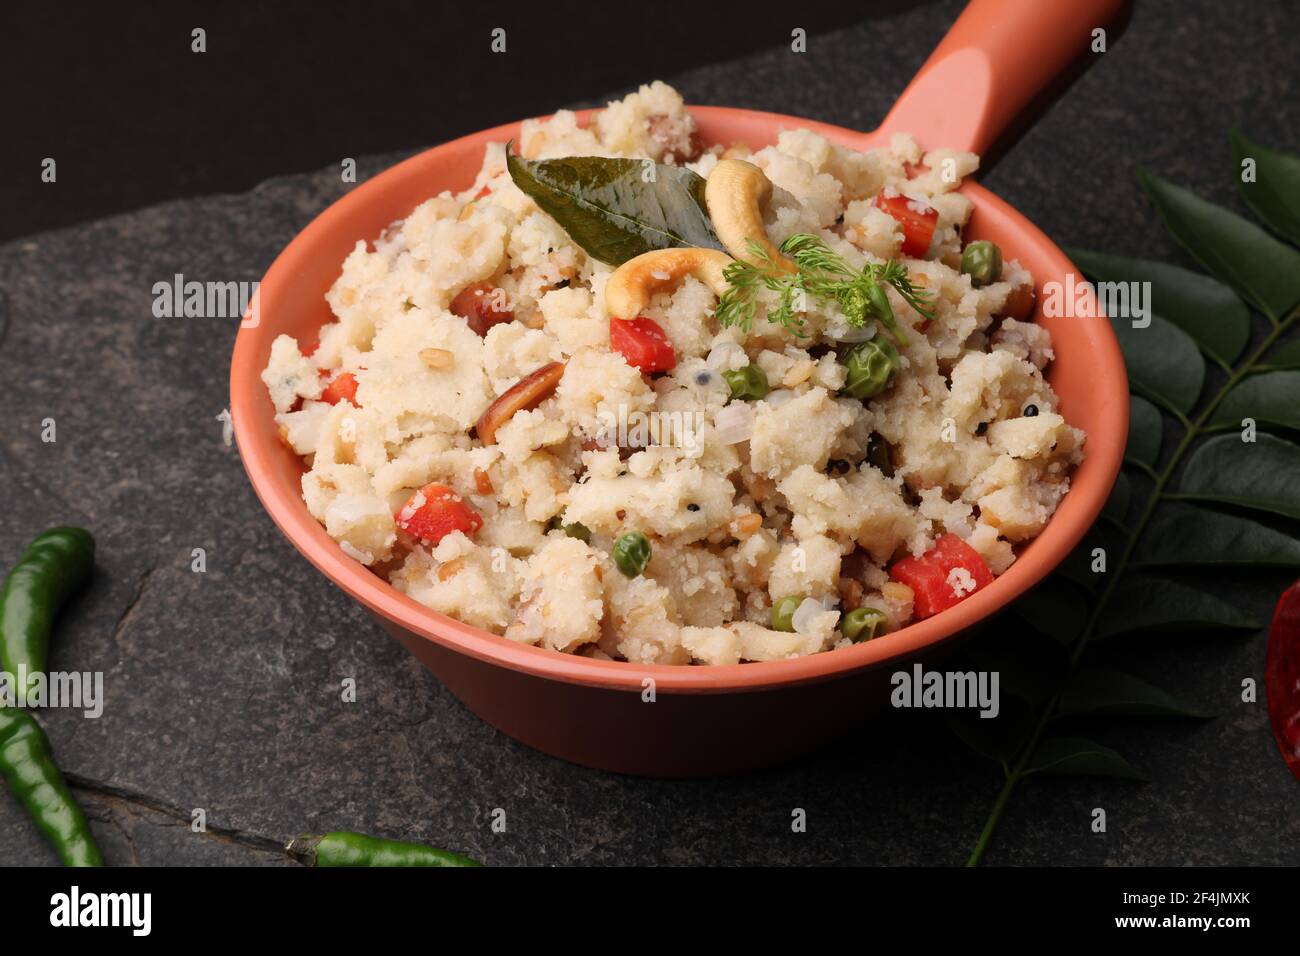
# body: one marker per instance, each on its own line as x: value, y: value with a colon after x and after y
x: 1075, y: 515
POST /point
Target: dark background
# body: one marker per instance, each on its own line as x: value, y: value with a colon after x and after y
x: 113, y: 92
x: 224, y: 687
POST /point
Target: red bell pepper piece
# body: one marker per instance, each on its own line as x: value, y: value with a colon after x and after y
x: 944, y: 576
x: 642, y: 343
x: 434, y: 512
x: 344, y: 385
x: 917, y: 217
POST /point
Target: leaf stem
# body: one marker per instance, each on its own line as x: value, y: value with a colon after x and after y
x: 1142, y: 466
x: 1194, y: 429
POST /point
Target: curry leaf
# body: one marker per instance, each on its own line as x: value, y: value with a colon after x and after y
x: 1028, y: 667
x: 1206, y: 309
x: 1056, y: 608
x: 1093, y: 557
x: 1116, y: 507
x: 1273, y: 397
x: 1286, y: 355
x: 999, y: 737
x: 614, y: 208
x: 1090, y: 561
x: 1092, y: 692
x: 1274, y: 196
x: 1184, y: 534
x: 1141, y: 603
x: 1145, y: 432
x: 1162, y: 361
x: 1261, y: 474
x: 1262, y: 269
x: 1078, y: 757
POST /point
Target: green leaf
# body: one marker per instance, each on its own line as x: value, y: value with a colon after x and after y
x: 1075, y: 756
x: 1000, y: 737
x: 1116, y: 507
x: 1092, y: 692
x: 1286, y: 355
x: 1274, y: 196
x: 610, y: 210
x: 1184, y: 534
x: 1163, y: 362
x: 1056, y: 608
x: 1141, y: 603
x: 1273, y: 397
x: 1204, y: 308
x: 1028, y: 667
x: 1146, y: 431
x: 1262, y: 269
x: 1084, y: 567
x: 1261, y: 474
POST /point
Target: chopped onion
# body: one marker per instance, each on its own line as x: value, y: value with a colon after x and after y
x: 735, y: 423
x: 351, y: 509
x: 726, y: 356
x: 808, y: 611
x: 851, y: 333
x: 779, y: 397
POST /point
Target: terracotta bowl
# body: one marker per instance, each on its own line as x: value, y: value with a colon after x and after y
x: 702, y: 720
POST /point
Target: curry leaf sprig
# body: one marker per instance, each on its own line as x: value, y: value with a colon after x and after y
x: 823, y: 275
x: 1218, y: 459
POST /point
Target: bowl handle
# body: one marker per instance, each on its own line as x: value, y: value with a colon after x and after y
x: 998, y: 55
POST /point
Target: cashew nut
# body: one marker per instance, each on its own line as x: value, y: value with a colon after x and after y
x: 735, y: 194
x: 633, y: 283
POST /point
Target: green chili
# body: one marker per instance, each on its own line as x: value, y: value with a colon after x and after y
x: 54, y: 565
x: 632, y: 553
x: 748, y: 383
x: 27, y: 766
x: 871, y: 366
x: 860, y: 624
x: 783, y: 612
x: 982, y: 261
x: 342, y: 848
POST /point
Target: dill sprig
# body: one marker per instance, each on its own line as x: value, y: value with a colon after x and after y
x: 823, y: 274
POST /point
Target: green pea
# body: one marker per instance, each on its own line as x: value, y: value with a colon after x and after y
x: 982, y: 261
x: 632, y: 553
x: 748, y: 383
x: 578, y: 530
x: 860, y: 624
x: 881, y: 454
x: 783, y: 612
x: 871, y: 366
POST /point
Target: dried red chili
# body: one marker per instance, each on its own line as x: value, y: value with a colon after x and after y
x: 1282, y: 677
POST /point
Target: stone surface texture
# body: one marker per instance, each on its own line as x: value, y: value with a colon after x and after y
x: 224, y: 688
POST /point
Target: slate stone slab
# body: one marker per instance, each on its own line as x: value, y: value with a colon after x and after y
x: 224, y: 688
